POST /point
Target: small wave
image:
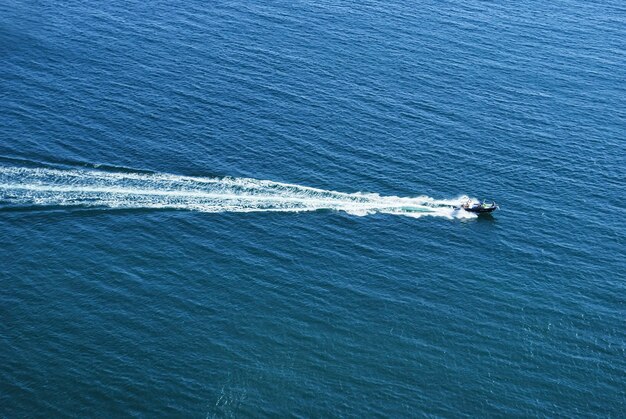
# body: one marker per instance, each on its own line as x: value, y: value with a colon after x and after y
x: 45, y: 187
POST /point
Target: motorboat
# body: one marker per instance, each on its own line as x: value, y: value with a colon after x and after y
x: 479, y: 207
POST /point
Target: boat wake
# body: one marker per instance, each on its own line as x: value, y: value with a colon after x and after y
x: 42, y: 187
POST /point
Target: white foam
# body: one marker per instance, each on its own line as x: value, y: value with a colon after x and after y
x: 21, y: 186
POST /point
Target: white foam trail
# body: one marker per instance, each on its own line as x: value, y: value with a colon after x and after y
x: 21, y: 186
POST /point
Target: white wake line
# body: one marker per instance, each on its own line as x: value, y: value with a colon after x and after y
x: 337, y: 196
x: 82, y: 178
x: 43, y: 187
x: 366, y: 202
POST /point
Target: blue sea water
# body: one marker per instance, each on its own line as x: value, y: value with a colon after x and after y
x: 234, y: 209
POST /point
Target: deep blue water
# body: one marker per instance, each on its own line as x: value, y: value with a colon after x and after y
x: 153, y: 261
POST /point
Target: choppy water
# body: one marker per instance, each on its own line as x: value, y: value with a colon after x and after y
x: 199, y: 209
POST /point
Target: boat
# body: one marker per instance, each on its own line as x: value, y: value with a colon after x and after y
x: 478, y: 207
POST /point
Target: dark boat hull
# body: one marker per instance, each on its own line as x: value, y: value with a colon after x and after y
x: 481, y: 210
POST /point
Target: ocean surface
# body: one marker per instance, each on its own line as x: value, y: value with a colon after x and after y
x: 246, y: 208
